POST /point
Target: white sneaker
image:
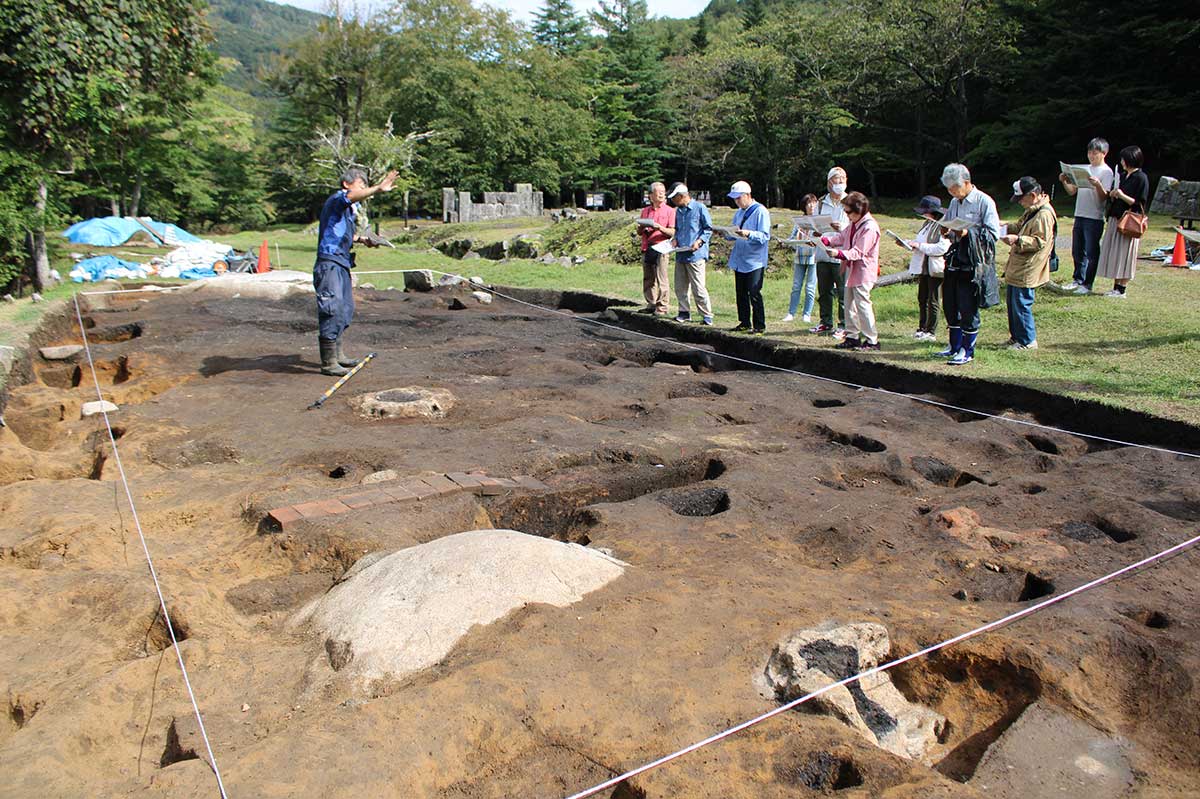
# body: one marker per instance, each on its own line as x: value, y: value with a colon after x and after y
x: 806, y: 318
x: 920, y: 334
x: 788, y: 318
x: 1115, y: 294
x: 1069, y: 286
x: 838, y: 334
x: 1082, y: 290
x: 927, y: 336
x: 1030, y: 346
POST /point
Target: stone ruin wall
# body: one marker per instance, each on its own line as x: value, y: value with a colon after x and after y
x: 457, y: 206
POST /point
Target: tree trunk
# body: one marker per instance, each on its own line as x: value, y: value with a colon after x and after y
x: 39, y: 261
x: 135, y: 200
x: 115, y: 206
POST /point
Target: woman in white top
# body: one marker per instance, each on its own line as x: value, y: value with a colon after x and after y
x: 928, y: 263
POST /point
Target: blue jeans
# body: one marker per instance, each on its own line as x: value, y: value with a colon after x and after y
x: 1085, y: 249
x: 804, y: 277
x: 1020, y: 315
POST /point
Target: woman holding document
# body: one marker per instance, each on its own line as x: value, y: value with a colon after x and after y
x: 857, y: 247
x: 1118, y: 251
x: 928, y: 263
x: 804, y: 269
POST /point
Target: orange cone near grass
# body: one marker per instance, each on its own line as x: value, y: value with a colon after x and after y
x: 1179, y: 256
x: 264, y: 258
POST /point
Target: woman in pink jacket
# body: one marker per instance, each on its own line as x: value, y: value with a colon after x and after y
x: 858, y: 247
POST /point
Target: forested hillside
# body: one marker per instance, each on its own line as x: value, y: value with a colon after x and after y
x: 252, y: 33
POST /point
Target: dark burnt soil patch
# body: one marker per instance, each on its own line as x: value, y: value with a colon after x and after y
x: 858, y: 441
x: 1154, y: 619
x: 1098, y: 529
x: 697, y: 502
x: 697, y: 389
x: 992, y: 582
x: 287, y: 592
x: 562, y: 512
x: 824, y: 772
x: 116, y: 333
x: 1181, y: 508
x: 941, y: 473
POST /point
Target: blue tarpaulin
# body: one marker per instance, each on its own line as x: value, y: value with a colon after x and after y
x: 103, y: 267
x: 112, y: 231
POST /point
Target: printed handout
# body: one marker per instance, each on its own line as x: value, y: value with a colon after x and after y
x: 815, y: 224
x: 955, y: 224
x: 897, y: 238
x: 1078, y: 173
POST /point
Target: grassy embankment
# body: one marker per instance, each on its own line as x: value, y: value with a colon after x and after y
x: 1140, y: 352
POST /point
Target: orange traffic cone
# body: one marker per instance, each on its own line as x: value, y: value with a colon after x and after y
x: 1179, y: 256
x: 264, y: 258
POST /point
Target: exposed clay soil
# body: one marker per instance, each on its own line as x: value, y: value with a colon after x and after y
x: 748, y: 503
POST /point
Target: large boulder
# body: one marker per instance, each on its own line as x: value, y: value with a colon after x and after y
x: 277, y: 284
x: 418, y: 280
x: 399, y: 613
x: 811, y: 659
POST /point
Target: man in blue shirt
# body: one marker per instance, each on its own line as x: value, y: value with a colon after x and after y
x: 750, y: 236
x: 693, y: 229
x: 960, y: 291
x: 331, y: 272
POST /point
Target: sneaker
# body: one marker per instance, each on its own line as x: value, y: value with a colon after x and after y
x: 758, y: 331
x: 1069, y: 286
x: 960, y: 358
x: 788, y: 318
x: 806, y: 318
x: 838, y: 334
x: 821, y: 328
x: 1115, y: 294
x: 847, y: 344
x: 683, y: 317
x: 866, y: 345
x: 1082, y: 290
x: 740, y: 328
x: 647, y: 309
x: 708, y: 321
x: 927, y: 336
x: 1018, y: 346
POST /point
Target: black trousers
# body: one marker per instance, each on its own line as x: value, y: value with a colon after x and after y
x: 960, y: 300
x: 830, y: 285
x: 929, y: 290
x: 748, y: 286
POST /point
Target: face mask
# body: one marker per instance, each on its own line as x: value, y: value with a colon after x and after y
x: 838, y: 188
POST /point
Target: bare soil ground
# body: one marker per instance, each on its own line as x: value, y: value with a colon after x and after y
x: 748, y: 503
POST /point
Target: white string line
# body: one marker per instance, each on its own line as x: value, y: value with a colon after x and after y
x: 154, y: 289
x: 162, y: 602
x: 846, y: 383
x: 882, y: 668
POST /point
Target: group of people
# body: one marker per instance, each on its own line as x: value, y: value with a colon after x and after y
x: 952, y: 255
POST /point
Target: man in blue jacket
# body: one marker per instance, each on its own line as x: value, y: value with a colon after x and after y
x: 331, y: 272
x: 750, y: 236
x: 693, y: 229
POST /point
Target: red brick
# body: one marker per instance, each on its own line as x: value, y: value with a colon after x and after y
x: 398, y: 493
x: 490, y: 486
x: 505, y: 482
x: 285, y: 516
x: 311, y: 510
x: 359, y: 500
x: 442, y: 484
x: 373, y: 497
x: 532, y: 483
x: 468, y: 482
x: 419, y: 489
x: 333, y: 507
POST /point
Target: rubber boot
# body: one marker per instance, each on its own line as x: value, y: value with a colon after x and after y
x: 955, y: 342
x: 342, y: 360
x: 968, y: 342
x: 329, y: 364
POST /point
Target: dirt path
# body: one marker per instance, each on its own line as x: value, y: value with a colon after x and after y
x: 826, y: 504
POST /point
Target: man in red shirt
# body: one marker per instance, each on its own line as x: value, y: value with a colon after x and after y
x: 654, y: 262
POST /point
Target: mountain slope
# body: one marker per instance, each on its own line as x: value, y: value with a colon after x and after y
x: 253, y: 31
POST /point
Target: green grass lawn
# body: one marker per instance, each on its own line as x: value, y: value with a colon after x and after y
x: 1141, y: 352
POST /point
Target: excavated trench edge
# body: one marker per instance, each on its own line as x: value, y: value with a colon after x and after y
x: 1069, y: 414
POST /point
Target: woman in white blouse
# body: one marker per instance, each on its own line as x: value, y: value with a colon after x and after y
x: 928, y: 263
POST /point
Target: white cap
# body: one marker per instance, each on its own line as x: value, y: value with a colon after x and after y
x: 679, y: 189
x: 837, y: 170
x: 738, y: 189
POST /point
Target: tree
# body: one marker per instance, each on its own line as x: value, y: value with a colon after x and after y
x: 700, y: 37
x: 754, y: 13
x: 557, y: 27
x: 628, y: 98
x: 67, y: 71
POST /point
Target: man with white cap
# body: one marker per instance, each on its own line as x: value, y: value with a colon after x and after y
x: 830, y: 281
x: 659, y: 231
x: 748, y: 260
x: 693, y: 229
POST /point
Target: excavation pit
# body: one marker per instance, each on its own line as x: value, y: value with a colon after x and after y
x: 746, y: 503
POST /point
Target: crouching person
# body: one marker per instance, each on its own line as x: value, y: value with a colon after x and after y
x: 331, y: 272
